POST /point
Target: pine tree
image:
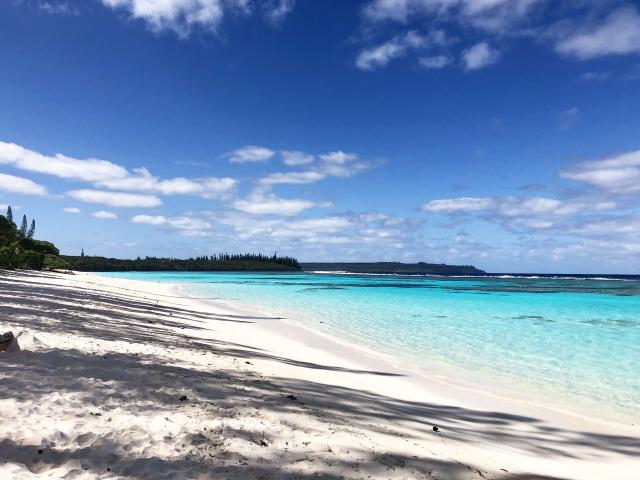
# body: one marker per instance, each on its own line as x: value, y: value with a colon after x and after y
x: 23, y: 227
x: 82, y: 253
x: 32, y: 229
x: 9, y: 213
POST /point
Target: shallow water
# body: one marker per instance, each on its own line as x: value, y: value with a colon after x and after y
x: 571, y: 343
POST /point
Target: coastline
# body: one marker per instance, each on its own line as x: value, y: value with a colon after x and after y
x: 455, y: 388
x: 373, y: 406
x: 450, y: 381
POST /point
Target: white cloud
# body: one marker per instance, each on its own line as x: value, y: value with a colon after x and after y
x: 89, y: 170
x: 188, y: 226
x: 616, y: 174
x: 581, y: 30
x: 595, y: 76
x: 339, y: 157
x: 434, y: 62
x: 71, y: 210
x: 382, y: 54
x: 568, y: 118
x: 617, y: 34
x: 292, y: 178
x: 479, y: 56
x: 184, y: 16
x: 150, y: 219
x: 249, y: 154
x: 277, y: 10
x: 464, y: 204
x: 115, y: 199
x: 104, y: 215
x: 295, y: 158
x: 177, y: 15
x: 13, y: 184
x: 58, y: 8
x: 493, y: 15
x: 143, y: 181
x: 268, y: 204
x: 109, y: 175
x: 341, y: 164
x: 398, y: 46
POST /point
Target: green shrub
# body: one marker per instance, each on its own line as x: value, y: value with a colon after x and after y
x: 54, y: 262
x: 39, y: 246
x: 32, y: 260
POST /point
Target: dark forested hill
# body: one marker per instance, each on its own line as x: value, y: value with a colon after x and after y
x: 221, y: 262
x: 419, y: 268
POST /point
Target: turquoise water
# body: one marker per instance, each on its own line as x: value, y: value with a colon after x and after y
x: 571, y: 343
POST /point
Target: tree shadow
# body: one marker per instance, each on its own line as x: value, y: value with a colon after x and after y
x: 140, y: 382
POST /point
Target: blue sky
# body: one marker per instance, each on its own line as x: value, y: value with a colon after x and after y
x: 501, y: 133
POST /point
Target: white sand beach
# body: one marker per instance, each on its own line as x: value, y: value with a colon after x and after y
x: 124, y: 379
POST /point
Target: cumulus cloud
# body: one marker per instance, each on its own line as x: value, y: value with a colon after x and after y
x: 180, y: 16
x: 568, y: 118
x: 356, y: 231
x: 331, y: 164
x: 13, y: 184
x: 464, y: 204
x: 269, y: 204
x: 250, y: 154
x: 277, y: 10
x: 536, y: 213
x: 115, y: 199
x: 186, y: 16
x: 188, y: 226
x: 292, y: 178
x: 104, y: 215
x: 73, y: 210
x: 58, y: 8
x: 434, y: 62
x: 490, y: 14
x: 89, y: 170
x: 581, y: 30
x: 296, y: 158
x: 617, y: 34
x: 105, y: 174
x: 143, y: 181
x: 479, y: 56
x: 617, y: 174
x: 398, y: 46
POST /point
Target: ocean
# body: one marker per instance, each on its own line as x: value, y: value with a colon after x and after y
x: 573, y: 343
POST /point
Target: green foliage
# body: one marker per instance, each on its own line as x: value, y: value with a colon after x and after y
x: 9, y: 257
x: 54, y: 262
x: 23, y: 227
x: 41, y: 246
x: 8, y: 231
x: 32, y: 260
x: 19, y: 250
x: 220, y: 262
x: 32, y: 229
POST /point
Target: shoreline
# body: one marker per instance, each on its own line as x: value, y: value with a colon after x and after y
x: 98, y: 353
x: 486, y: 394
x: 451, y: 383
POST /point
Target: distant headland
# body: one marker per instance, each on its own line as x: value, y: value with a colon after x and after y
x: 420, y: 268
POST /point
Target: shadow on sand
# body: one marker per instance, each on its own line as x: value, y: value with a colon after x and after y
x: 103, y: 381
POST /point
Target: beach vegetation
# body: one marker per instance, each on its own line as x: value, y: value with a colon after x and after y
x: 204, y: 263
x: 18, y: 249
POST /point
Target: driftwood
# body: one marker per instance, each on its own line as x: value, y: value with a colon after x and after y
x: 9, y: 343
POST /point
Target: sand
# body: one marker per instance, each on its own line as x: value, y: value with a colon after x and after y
x: 123, y: 379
